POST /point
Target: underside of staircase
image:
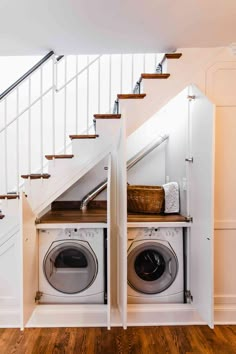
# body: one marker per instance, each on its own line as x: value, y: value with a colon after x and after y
x: 88, y: 149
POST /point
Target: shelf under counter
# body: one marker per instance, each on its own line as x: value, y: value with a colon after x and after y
x: 157, y: 220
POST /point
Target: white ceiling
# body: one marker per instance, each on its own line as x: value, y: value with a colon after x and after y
x: 30, y: 27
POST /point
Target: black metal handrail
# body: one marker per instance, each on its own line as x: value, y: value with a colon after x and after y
x: 28, y: 73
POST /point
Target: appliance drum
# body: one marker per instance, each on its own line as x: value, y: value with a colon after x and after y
x: 152, y: 267
x: 70, y: 267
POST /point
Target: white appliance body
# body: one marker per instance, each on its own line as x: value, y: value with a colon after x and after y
x: 71, y: 266
x: 155, y: 265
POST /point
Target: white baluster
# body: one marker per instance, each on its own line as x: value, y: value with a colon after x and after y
x: 76, y: 97
x: 121, y: 73
x: 53, y: 104
x: 99, y: 84
x: 29, y: 126
x: 65, y: 105
x: 87, y: 95
x: 41, y: 120
x: 110, y: 63
x: 17, y: 142
x: 5, y: 147
x: 132, y: 72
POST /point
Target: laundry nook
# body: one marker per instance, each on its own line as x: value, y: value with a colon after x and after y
x: 116, y: 227
x: 96, y: 255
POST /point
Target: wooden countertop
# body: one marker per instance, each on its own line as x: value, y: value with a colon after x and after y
x: 156, y: 218
x: 74, y: 216
x: 98, y: 215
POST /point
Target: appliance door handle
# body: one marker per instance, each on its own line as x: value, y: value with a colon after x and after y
x: 169, y: 266
x: 51, y: 267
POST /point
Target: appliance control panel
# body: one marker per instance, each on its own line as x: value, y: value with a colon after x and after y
x: 84, y: 234
x: 153, y: 232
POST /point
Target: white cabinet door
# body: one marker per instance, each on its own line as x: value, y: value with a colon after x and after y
x: 29, y: 261
x: 109, y: 223
x: 121, y: 221
x: 201, y: 179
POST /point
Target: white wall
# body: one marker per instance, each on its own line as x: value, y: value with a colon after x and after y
x: 90, y: 180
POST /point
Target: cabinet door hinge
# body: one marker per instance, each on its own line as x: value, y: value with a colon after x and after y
x: 189, y: 159
x: 38, y: 295
x: 189, y: 218
x: 37, y: 221
x: 191, y: 97
x: 188, y: 296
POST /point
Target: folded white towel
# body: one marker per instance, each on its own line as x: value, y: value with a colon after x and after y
x: 171, y: 197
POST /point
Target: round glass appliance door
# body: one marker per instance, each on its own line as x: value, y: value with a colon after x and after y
x: 152, y: 267
x: 70, y: 267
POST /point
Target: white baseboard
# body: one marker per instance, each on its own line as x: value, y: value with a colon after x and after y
x: 225, y: 314
x: 225, y: 300
x: 9, y: 318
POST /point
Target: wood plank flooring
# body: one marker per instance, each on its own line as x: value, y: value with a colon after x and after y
x: 140, y: 340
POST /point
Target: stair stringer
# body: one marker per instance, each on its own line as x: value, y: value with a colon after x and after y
x: 190, y: 68
x: 88, y: 152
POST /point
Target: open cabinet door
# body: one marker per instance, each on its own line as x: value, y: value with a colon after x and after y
x: 201, y: 178
x: 121, y: 220
x: 109, y: 221
x: 29, y: 261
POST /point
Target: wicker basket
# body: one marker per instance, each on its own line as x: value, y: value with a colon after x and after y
x: 145, y: 199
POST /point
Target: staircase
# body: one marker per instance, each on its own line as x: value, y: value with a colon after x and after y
x: 92, y: 138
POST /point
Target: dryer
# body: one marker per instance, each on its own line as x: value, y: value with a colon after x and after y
x: 71, y: 266
x: 155, y: 265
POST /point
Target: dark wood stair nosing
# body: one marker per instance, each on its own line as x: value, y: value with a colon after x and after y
x: 154, y: 76
x: 52, y: 157
x: 9, y: 196
x: 36, y: 176
x: 173, y: 55
x: 107, y: 116
x: 89, y: 136
x: 131, y: 96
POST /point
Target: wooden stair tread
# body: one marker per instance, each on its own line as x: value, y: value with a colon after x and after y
x: 131, y: 96
x: 173, y: 55
x: 52, y: 157
x: 154, y: 76
x: 107, y: 116
x: 132, y: 217
x: 36, y: 176
x: 89, y: 136
x: 9, y: 196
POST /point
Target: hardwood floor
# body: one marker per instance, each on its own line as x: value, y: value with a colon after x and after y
x: 140, y: 340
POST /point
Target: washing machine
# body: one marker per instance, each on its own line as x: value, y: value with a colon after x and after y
x: 155, y: 265
x: 71, y: 266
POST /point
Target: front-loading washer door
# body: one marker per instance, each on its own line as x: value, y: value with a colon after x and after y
x: 152, y: 267
x: 70, y: 267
